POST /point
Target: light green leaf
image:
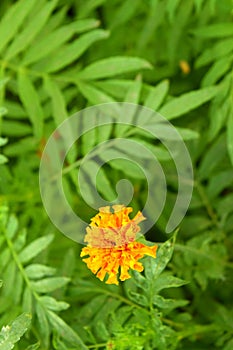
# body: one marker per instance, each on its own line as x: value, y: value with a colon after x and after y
x: 156, y: 95
x: 12, y: 227
x: 50, y: 284
x: 214, y: 31
x: 23, y: 39
x: 94, y: 95
x: 34, y: 248
x: 31, y: 102
x: 14, y: 128
x: 218, y: 70
x: 132, y: 96
x: 220, y: 49
x: 15, y: 16
x: 58, y: 101
x: 52, y: 304
x: 37, y: 271
x: 187, y: 102
x: 124, y: 13
x: 3, y: 111
x: 3, y: 141
x: 11, y: 334
x: 3, y: 159
x: 70, y: 52
x: 112, y: 66
x: 55, y: 39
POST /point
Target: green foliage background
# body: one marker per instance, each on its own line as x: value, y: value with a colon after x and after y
x: 56, y: 58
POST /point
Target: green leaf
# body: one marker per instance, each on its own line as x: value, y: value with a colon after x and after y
x: 230, y: 135
x: 154, y: 266
x: 37, y: 271
x: 58, y: 101
x: 219, y: 69
x: 37, y: 22
x: 112, y: 66
x: 34, y: 248
x: 220, y: 49
x: 55, y: 39
x: 52, y: 304
x: 10, y: 335
x: 50, y: 284
x: 218, y: 30
x: 3, y: 111
x: 31, y: 102
x: 3, y: 141
x: 12, y: 227
x: 33, y: 347
x: 15, y: 16
x: 14, y: 128
x: 163, y: 303
x: 3, y: 159
x: 43, y: 324
x: 94, y: 95
x: 156, y: 95
x: 70, y: 52
x: 187, y: 102
x: 166, y: 280
x: 65, y: 331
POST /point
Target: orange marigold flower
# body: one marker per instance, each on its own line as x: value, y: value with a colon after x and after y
x: 111, y: 244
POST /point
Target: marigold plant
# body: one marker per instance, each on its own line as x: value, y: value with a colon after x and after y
x: 111, y: 244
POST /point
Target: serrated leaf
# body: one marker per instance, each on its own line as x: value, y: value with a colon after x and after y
x: 10, y: 335
x: 23, y: 39
x: 70, y: 52
x: 139, y: 298
x: 154, y: 267
x: 165, y: 281
x: 163, y: 303
x: 15, y: 16
x: 31, y: 102
x: 112, y: 66
x: 187, y: 102
x: 34, y: 248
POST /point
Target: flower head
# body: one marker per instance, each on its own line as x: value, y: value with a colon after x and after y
x: 112, y: 246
